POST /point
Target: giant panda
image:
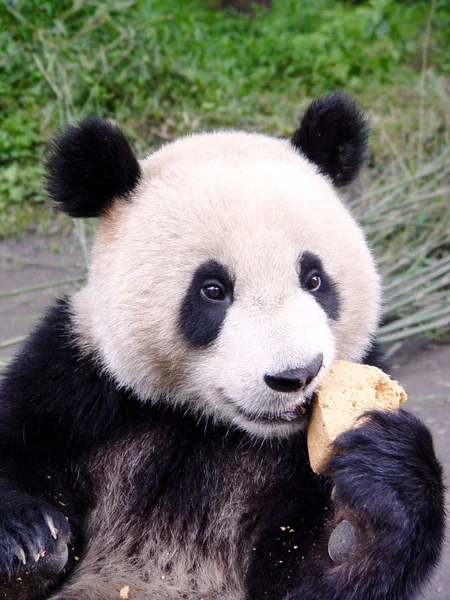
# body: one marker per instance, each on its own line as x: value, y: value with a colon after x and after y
x: 153, y: 425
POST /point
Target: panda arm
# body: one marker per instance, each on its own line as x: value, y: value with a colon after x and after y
x: 54, y: 407
x: 387, y: 483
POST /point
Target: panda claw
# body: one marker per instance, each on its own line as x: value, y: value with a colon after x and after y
x: 20, y: 553
x: 37, y: 550
x: 51, y: 526
x: 39, y: 554
x: 333, y: 493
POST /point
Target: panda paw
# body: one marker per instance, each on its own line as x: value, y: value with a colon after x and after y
x: 388, y: 505
x: 33, y: 537
x: 386, y: 473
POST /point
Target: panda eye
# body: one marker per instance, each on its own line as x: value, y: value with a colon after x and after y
x: 313, y: 282
x: 213, y: 290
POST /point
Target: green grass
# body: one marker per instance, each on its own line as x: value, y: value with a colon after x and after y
x: 162, y: 68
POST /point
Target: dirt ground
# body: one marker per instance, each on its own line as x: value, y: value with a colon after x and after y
x: 422, y: 368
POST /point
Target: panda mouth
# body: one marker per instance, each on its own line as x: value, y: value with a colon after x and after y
x: 298, y: 413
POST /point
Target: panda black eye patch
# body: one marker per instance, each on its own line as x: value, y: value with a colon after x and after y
x: 205, y: 304
x: 315, y: 280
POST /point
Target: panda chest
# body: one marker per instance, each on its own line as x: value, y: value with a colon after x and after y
x: 186, y: 512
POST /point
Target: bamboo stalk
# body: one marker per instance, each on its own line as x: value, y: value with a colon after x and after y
x: 422, y: 316
x: 422, y: 173
x: 408, y: 276
x: 37, y: 263
x: 12, y: 342
x: 44, y: 286
x: 395, y: 337
x: 420, y: 279
x: 430, y: 397
x: 392, y: 308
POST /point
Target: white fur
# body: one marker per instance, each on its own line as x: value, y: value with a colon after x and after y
x: 253, y: 204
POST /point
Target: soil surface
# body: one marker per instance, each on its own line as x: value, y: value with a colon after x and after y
x: 423, y: 368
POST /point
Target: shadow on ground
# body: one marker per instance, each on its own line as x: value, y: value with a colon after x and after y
x: 422, y: 368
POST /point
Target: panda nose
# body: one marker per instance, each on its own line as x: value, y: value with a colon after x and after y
x: 294, y: 380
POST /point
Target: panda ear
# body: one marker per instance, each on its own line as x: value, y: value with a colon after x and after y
x: 333, y: 134
x: 88, y: 166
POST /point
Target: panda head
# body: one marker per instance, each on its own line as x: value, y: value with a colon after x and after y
x: 226, y: 273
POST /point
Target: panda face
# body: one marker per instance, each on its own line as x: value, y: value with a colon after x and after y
x: 229, y: 282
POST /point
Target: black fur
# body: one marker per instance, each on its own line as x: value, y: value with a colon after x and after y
x: 201, y: 319
x: 327, y: 295
x: 48, y: 422
x: 57, y: 409
x: 333, y: 134
x: 389, y: 489
x: 374, y: 356
x: 88, y: 166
